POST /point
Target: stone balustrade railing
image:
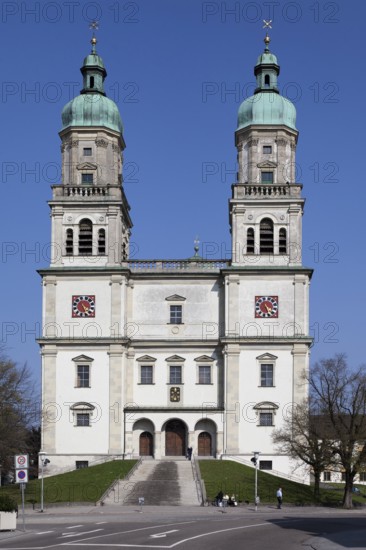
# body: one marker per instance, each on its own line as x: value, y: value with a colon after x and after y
x: 249, y: 190
x: 176, y: 265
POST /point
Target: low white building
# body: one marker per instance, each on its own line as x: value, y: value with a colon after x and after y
x: 149, y: 357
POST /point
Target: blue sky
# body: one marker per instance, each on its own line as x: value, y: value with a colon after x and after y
x: 178, y: 70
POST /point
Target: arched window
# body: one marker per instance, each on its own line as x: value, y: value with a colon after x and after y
x: 101, y: 241
x: 266, y: 236
x: 250, y: 241
x: 92, y: 81
x: 69, y: 245
x: 282, y: 244
x: 266, y: 81
x: 124, y: 251
x: 85, y: 238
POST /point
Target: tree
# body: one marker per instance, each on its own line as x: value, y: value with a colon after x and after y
x: 341, y: 396
x: 301, y: 438
x: 17, y: 410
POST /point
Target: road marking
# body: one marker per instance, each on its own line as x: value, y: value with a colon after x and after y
x: 101, y: 522
x: 66, y: 535
x: 74, y: 526
x: 44, y: 532
x: 159, y: 535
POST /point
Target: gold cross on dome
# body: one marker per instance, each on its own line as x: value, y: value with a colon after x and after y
x: 94, y: 26
x: 267, y: 24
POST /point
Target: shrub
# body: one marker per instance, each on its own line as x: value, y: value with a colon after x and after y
x: 7, y: 504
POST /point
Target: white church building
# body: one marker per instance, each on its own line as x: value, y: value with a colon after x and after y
x: 147, y: 357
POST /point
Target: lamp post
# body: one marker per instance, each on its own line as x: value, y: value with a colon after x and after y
x: 255, y: 461
x: 44, y: 461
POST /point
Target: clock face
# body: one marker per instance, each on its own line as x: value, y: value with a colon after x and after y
x: 266, y: 306
x: 83, y: 306
x: 175, y: 394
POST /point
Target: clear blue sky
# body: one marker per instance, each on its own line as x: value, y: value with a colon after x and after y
x: 178, y: 71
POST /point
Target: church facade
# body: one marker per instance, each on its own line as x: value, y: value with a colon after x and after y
x: 147, y: 357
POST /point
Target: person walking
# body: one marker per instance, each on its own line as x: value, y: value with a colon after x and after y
x: 279, y: 498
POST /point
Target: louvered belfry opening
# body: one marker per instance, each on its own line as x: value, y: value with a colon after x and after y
x: 266, y: 236
x: 250, y: 241
x: 85, y: 238
x: 69, y: 245
x: 282, y: 241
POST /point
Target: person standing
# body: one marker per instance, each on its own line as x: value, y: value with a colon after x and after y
x: 279, y: 498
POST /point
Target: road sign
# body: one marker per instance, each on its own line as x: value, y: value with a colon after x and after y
x: 21, y: 461
x: 21, y: 476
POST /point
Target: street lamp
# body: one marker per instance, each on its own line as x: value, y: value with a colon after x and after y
x: 255, y: 462
x: 44, y: 461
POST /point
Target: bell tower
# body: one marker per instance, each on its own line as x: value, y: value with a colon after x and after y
x: 266, y: 206
x: 89, y: 210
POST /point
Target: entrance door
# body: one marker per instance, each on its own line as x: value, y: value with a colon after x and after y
x: 175, y: 438
x: 204, y: 444
x: 146, y: 444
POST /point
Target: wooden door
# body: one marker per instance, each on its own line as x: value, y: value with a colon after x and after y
x: 204, y: 444
x: 146, y: 444
x: 175, y: 437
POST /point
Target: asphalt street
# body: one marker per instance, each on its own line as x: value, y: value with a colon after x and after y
x: 183, y: 527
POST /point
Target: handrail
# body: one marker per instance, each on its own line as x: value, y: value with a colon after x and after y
x: 112, y: 487
x: 276, y: 473
x: 201, y: 492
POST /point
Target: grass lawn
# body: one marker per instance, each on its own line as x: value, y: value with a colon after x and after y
x: 231, y: 477
x: 84, y: 485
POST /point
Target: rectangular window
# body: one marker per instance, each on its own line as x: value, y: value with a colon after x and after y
x: 175, y: 374
x: 266, y: 375
x: 326, y: 476
x: 146, y: 374
x: 79, y: 464
x: 265, y: 419
x: 83, y: 376
x: 265, y: 464
x: 267, y: 177
x: 362, y: 476
x: 87, y: 151
x: 87, y: 178
x: 204, y: 374
x: 83, y: 419
x: 343, y: 476
x: 176, y: 315
x: 267, y: 149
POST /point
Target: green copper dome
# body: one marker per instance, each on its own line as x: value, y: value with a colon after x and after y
x: 92, y: 107
x: 267, y: 106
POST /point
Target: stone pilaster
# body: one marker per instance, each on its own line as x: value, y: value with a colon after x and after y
x: 115, y: 399
x: 51, y: 410
x: 232, y: 402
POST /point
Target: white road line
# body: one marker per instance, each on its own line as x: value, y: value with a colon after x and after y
x: 44, y: 532
x: 74, y: 526
x: 66, y: 535
x: 160, y: 535
x: 101, y: 522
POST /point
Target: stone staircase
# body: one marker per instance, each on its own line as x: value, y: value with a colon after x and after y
x: 160, y: 482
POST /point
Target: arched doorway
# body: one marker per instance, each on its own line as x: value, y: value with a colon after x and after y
x: 146, y: 444
x: 175, y: 438
x: 204, y: 444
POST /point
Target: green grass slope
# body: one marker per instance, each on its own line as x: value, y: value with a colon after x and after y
x: 84, y: 485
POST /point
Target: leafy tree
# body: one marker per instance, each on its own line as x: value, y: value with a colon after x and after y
x: 17, y: 410
x: 341, y: 396
x: 301, y: 438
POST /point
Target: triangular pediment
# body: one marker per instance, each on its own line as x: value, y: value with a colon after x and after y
x: 175, y: 298
x: 204, y: 359
x: 86, y: 166
x: 267, y: 357
x: 267, y: 164
x: 146, y: 358
x: 82, y: 359
x: 175, y: 359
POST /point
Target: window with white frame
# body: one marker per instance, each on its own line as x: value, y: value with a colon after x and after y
x: 176, y: 315
x: 82, y: 413
x: 204, y: 374
x: 146, y: 374
x: 327, y: 476
x: 175, y: 374
x: 83, y: 376
x: 266, y: 375
x: 266, y: 411
x: 83, y: 365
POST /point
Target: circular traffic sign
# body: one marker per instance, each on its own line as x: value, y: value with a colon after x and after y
x: 22, y: 474
x: 21, y: 460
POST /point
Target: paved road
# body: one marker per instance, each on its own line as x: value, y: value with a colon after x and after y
x: 189, y: 528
